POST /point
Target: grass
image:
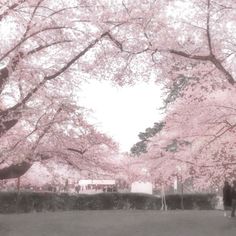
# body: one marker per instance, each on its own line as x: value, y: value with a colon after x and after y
x: 118, y: 223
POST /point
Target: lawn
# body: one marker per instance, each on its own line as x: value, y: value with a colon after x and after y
x: 118, y: 223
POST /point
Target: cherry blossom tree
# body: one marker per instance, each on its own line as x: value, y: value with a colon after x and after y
x: 191, y: 44
x: 90, y: 151
x: 47, y: 48
x: 59, y: 134
x: 42, y: 43
x: 199, y: 138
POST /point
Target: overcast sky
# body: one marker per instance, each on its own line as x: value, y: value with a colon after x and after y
x: 122, y: 112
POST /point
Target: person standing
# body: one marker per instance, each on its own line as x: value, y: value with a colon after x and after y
x: 233, y: 196
x: 226, y: 197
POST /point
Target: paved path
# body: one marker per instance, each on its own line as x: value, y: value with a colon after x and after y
x: 118, y: 223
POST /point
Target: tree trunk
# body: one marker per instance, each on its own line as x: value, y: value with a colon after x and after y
x: 18, y: 185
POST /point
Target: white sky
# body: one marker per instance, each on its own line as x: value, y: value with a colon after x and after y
x: 122, y: 112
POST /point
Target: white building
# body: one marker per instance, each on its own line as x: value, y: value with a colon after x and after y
x: 141, y: 187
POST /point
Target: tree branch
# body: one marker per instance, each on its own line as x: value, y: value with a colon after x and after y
x: 72, y: 61
x: 208, y: 27
x: 219, y: 65
x: 15, y: 170
x: 29, y: 36
x: 210, y: 58
x: 190, y: 56
x: 81, y: 152
x: 12, y: 7
x: 41, y: 47
x: 15, y: 110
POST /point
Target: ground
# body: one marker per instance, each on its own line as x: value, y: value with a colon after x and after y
x: 118, y: 223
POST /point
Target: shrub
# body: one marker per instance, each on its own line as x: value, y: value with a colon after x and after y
x: 192, y: 201
x: 11, y: 202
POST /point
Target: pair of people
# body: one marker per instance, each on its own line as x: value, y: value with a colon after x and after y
x: 229, y: 198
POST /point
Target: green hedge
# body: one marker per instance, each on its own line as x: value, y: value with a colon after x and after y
x: 10, y: 202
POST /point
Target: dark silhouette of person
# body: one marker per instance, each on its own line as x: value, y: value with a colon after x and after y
x: 227, y: 200
x: 233, y: 196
